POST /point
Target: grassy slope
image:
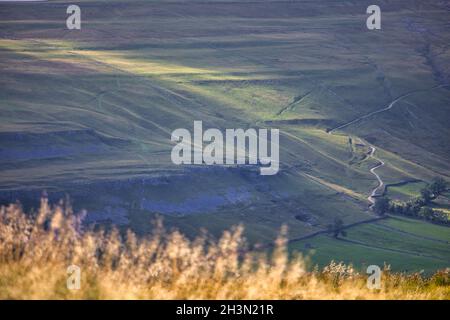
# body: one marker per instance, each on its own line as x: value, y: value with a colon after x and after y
x: 107, y: 98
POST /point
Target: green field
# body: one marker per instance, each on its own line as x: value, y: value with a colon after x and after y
x: 404, y: 244
x: 406, y: 191
x: 89, y: 113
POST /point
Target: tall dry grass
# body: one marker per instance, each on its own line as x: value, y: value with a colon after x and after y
x: 35, y: 251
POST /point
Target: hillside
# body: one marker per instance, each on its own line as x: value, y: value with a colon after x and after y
x: 89, y: 113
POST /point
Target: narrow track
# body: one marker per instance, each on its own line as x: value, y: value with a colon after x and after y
x: 375, y: 192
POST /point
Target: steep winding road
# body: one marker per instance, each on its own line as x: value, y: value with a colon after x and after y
x: 375, y: 192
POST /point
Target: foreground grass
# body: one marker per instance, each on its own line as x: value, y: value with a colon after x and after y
x: 35, y: 251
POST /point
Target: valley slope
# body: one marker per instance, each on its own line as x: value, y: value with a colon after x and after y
x: 89, y: 113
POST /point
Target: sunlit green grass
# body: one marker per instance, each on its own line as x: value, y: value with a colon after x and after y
x: 406, y: 191
x: 403, y: 243
x: 132, y: 75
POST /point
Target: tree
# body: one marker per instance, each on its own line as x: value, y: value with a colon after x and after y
x: 426, y: 213
x: 417, y: 202
x: 381, y: 206
x: 336, y: 228
x: 438, y: 186
x: 396, y: 208
x: 408, y: 209
x: 426, y: 195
